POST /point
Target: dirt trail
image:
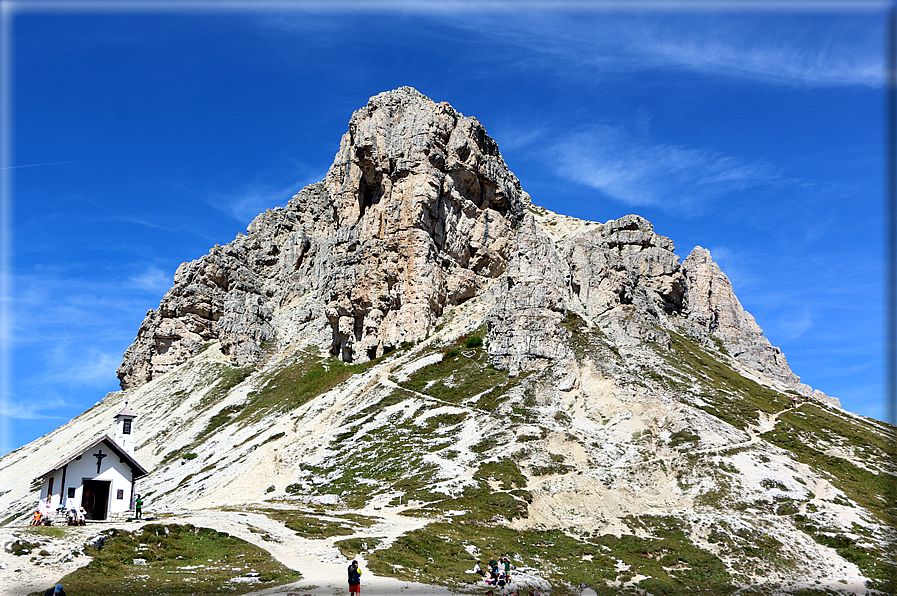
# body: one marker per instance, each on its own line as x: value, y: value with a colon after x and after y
x: 766, y: 424
x: 322, y: 565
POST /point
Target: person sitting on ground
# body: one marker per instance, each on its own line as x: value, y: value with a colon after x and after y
x: 35, y: 521
x: 478, y: 570
x: 57, y: 591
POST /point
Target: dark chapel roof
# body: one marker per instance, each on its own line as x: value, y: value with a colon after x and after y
x: 136, y: 468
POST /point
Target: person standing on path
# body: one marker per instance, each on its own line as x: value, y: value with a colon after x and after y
x: 138, y: 507
x: 354, y: 578
x: 507, y: 563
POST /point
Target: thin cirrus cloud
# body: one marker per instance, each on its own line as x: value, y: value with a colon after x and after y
x: 151, y: 279
x: 793, y: 50
x: 639, y: 173
x: 245, y: 205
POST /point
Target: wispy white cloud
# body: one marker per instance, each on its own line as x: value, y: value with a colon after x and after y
x: 639, y: 172
x: 87, y: 366
x: 152, y: 279
x: 775, y: 48
x: 244, y: 205
x: 29, y: 411
x: 794, y: 322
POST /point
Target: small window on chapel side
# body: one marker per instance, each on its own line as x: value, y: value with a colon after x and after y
x: 120, y: 494
x: 126, y: 427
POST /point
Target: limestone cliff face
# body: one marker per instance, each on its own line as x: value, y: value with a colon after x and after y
x: 414, y: 214
x: 419, y: 213
x: 595, y: 272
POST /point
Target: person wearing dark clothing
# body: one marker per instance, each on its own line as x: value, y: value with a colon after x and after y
x: 354, y: 578
x: 57, y: 591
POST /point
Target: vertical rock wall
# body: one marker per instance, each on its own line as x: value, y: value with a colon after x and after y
x: 414, y: 214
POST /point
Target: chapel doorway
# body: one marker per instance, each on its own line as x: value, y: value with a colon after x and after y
x: 95, y: 498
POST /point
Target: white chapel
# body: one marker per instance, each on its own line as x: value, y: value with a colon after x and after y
x: 100, y: 477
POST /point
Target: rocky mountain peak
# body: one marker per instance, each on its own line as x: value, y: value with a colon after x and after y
x: 414, y: 215
x: 418, y: 213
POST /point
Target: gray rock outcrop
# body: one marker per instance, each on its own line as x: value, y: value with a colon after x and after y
x: 624, y: 262
x: 414, y: 214
x: 711, y: 302
x: 524, y: 326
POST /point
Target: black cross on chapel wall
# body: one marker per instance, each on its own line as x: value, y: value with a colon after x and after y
x: 99, y: 457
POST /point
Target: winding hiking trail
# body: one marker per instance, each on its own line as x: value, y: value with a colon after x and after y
x: 322, y: 565
x: 766, y: 424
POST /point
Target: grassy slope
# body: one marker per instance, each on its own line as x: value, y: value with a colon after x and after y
x: 391, y: 456
x: 178, y: 560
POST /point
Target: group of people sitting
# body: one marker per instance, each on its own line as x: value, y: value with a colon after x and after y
x: 493, y: 575
x: 73, y: 517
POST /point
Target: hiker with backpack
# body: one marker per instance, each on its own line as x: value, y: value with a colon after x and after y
x: 354, y: 578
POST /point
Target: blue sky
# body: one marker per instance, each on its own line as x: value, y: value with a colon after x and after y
x: 138, y: 135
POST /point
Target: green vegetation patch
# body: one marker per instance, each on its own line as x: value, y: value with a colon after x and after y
x: 753, y: 551
x: 683, y: 436
x: 479, y: 503
x: 302, y: 379
x: 318, y: 526
x: 437, y: 554
x: 871, y: 491
x: 387, y: 455
x: 588, y: 341
x: 875, y: 564
x: 555, y: 465
x: 175, y: 559
x: 47, y: 531
x: 21, y: 547
x: 505, y: 471
x: 725, y: 393
x: 228, y: 378
x: 460, y: 375
x: 352, y: 547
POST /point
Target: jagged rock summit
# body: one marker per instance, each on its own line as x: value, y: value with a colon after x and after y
x: 415, y: 365
x: 417, y: 213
